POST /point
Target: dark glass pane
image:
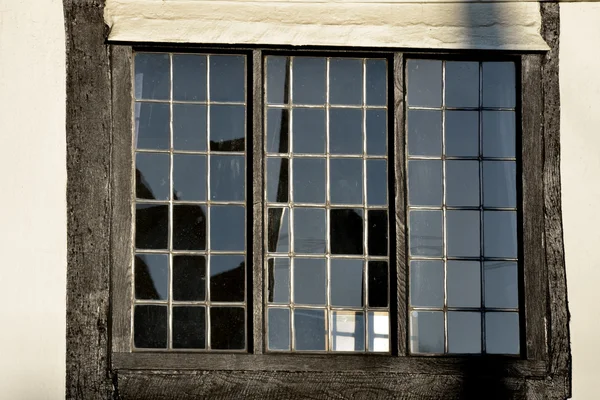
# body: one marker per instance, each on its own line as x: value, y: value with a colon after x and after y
x: 462, y: 84
x: 227, y: 328
x: 227, y: 78
x: 425, y: 233
x: 462, y: 230
x: 309, y: 329
x: 279, y: 280
x: 462, y: 183
x: 464, y: 332
x: 152, y: 176
x: 346, y: 180
x: 425, y: 182
x: 309, y: 180
x: 378, y: 232
x: 150, y: 327
x: 227, y: 127
x: 309, y: 80
x: 277, y: 179
x: 500, y: 234
x: 345, y: 131
x: 308, y: 130
x: 376, y: 82
x: 498, y: 133
x: 189, y: 227
x: 151, y: 276
x: 424, y: 133
x: 378, y: 284
x: 151, y: 226
x: 502, y: 333
x: 501, y: 284
x: 227, y: 228
x: 152, y: 73
x: 426, y: 332
x: 348, y: 331
x: 227, y: 278
x: 279, y: 328
x: 278, y: 125
x: 309, y: 281
x: 189, y: 278
x: 152, y: 126
x: 277, y: 80
x: 376, y: 132
x: 347, y: 286
x: 499, y: 184
x: 463, y: 283
x: 189, y: 77
x: 427, y: 283
x: 189, y: 127
x: 462, y: 133
x: 377, y: 183
x: 499, y: 84
x: 345, y: 81
x: 309, y: 230
x: 278, y: 234
x: 189, y: 177
x: 347, y: 229
x: 189, y: 327
x: 227, y: 177
x: 424, y: 83
x: 379, y: 331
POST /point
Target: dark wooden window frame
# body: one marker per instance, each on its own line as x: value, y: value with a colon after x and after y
x: 100, y: 363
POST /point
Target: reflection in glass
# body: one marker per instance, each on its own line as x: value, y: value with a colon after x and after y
x: 309, y: 180
x: 227, y: 78
x: 426, y: 332
x: 462, y: 133
x: 425, y: 233
x: 189, y: 127
x: 346, y: 180
x: 151, y: 226
x: 425, y: 182
x: 502, y: 333
x: 277, y: 80
x: 227, y: 177
x: 278, y: 237
x: 227, y: 127
x: 379, y: 331
x: 227, y: 228
x: 378, y: 232
x: 498, y: 131
x: 189, y: 327
x: 309, y: 230
x: 150, y: 327
x: 345, y: 131
x: 501, y: 284
x: 377, y: 279
x: 462, y: 233
x: 151, y: 276
x: 345, y: 81
x: 309, y: 80
x: 462, y: 84
x: 277, y: 179
x: 309, y: 130
x: 376, y: 132
x: 189, y: 77
x: 152, y: 71
x: 152, y: 176
x: 152, y: 126
x: 346, y: 230
x: 346, y: 282
x: 499, y: 184
x: 499, y: 84
x: 189, y: 278
x: 228, y: 328
x: 463, y: 283
x: 309, y: 329
x: 189, y: 227
x: 377, y: 183
x: 279, y: 329
x: 424, y: 83
x: 309, y: 281
x: 424, y: 133
x: 464, y: 332
x: 348, y: 330
x: 227, y: 278
x: 500, y: 234
x: 278, y: 125
x: 279, y: 280
x: 426, y: 283
x: 189, y: 177
x: 376, y: 82
x: 462, y: 183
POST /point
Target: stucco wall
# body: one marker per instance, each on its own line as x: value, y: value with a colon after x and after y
x: 580, y: 168
x: 32, y: 200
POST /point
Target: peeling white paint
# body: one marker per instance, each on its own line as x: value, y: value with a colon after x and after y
x: 459, y: 25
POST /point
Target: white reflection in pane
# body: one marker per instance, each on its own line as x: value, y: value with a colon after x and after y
x: 379, y: 331
x: 348, y: 331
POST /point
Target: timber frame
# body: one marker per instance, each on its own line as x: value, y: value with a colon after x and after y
x: 100, y: 364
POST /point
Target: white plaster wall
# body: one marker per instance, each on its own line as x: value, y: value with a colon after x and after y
x: 32, y: 200
x: 580, y: 169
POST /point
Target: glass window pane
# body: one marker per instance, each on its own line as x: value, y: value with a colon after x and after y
x: 427, y: 283
x: 462, y: 183
x: 462, y: 232
x: 424, y: 133
x: 376, y: 132
x: 227, y: 128
x: 464, y: 332
x: 189, y: 127
x: 345, y: 131
x: 277, y: 80
x: 150, y: 327
x: 499, y: 84
x: 279, y: 329
x: 348, y: 331
x: 189, y: 227
x: 500, y: 234
x: 279, y: 280
x: 151, y: 276
x: 345, y: 81
x: 309, y: 230
x: 378, y: 284
x: 425, y: 182
x: 346, y: 228
x: 426, y: 332
x: 308, y: 127
x: 189, y: 278
x: 379, y: 331
x: 376, y: 82
x: 277, y: 179
x: 464, y: 283
x: 501, y: 284
x: 151, y: 226
x: 228, y: 328
x: 189, y: 77
x: 462, y: 84
x: 278, y: 230
x: 227, y: 78
x: 425, y: 233
x: 424, y: 83
x: 227, y: 278
x: 462, y: 133
x: 346, y: 180
x: 152, y: 72
x: 502, y: 333
x: 189, y: 177
x: 278, y: 125
x: 309, y: 329
x: 308, y: 80
x: 499, y: 184
x: 377, y: 182
x: 152, y: 123
x: 227, y: 228
x: 189, y: 327
x: 309, y: 180
x: 152, y: 176
x: 378, y: 232
x: 346, y: 278
x: 227, y: 178
x: 498, y: 133
x: 309, y: 281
